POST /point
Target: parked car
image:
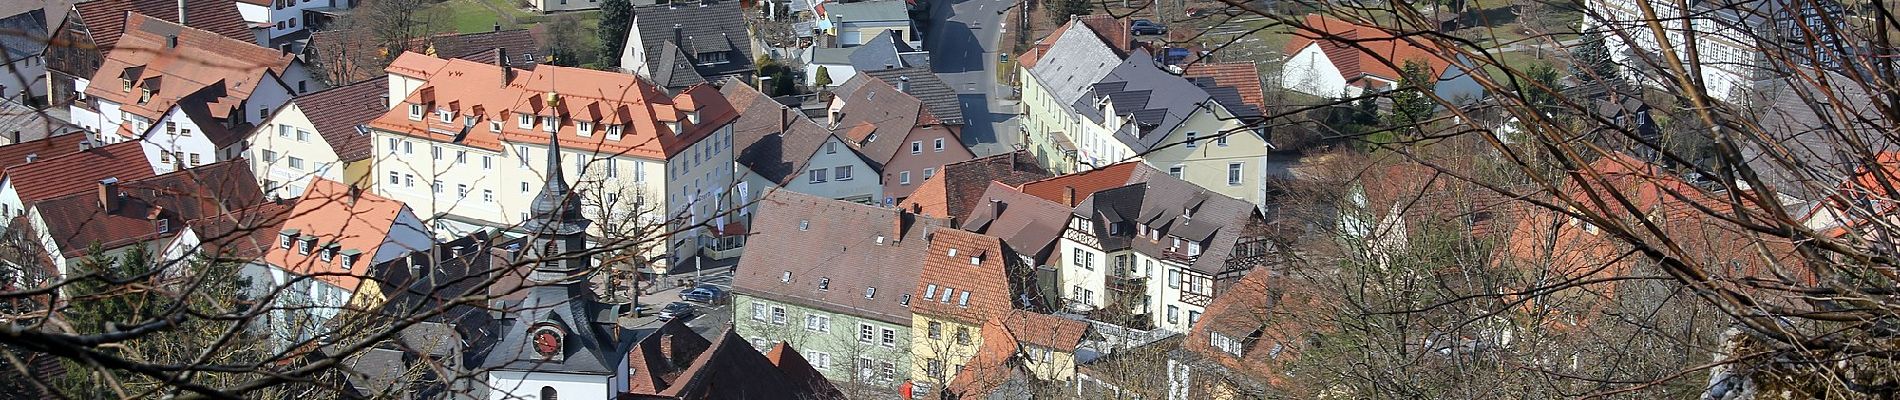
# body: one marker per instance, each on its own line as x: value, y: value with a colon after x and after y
x: 677, y: 309
x: 1146, y: 27
x: 708, y: 294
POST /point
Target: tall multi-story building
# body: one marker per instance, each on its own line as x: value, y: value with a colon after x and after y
x: 1739, y: 42
x: 462, y: 144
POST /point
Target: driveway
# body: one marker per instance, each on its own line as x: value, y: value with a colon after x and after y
x: 963, y: 40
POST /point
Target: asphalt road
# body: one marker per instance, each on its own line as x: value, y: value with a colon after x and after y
x: 711, y: 319
x: 963, y: 41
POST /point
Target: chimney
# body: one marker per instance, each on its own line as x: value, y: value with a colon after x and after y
x: 679, y: 36
x: 181, y: 13
x: 32, y: 157
x: 171, y: 42
x: 899, y: 224
x: 890, y: 66
x: 355, y: 193
x: 996, y: 209
x: 109, y: 194
x: 497, y: 26
x: 903, y: 84
x: 1068, y: 196
x: 501, y: 59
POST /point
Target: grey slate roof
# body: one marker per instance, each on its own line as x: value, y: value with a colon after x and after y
x: 1157, y: 100
x: 885, y: 51
x: 1803, y: 121
x: 19, y: 123
x: 866, y: 11
x: 1176, y: 208
x: 1084, y: 60
x: 25, y: 35
x: 814, y: 238
x: 832, y: 55
x: 927, y: 87
x: 708, y: 26
x: 1029, y: 224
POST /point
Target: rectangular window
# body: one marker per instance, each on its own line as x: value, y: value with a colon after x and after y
x: 1233, y: 173
x: 1220, y: 140
x: 435, y: 152
x: 488, y: 162
x: 613, y: 168
x: 408, y: 180
x: 461, y: 157
x: 270, y: 156
x: 613, y: 132
x: 550, y: 124
x: 394, y: 178
x: 1177, y: 171
x: 494, y: 126
x: 415, y: 112
x: 818, y: 323
x: 917, y: 147
x: 393, y: 142
x: 461, y: 191
x: 867, y: 334
x: 1174, y: 313
x: 963, y: 335
x: 1191, y: 142
x: 929, y: 172
x: 436, y: 186
x: 939, y: 145
x: 903, y: 178
x: 165, y: 157
x: 821, y: 360
x: 935, y: 329
x: 888, y: 338
x: 194, y: 159
x: 408, y: 147
x: 521, y: 152
x: 524, y: 121
x: 584, y: 128
x: 758, y: 312
x: 488, y: 196
x: 302, y: 135
x: 444, y: 115
x: 296, y: 163
x: 1174, y: 279
x: 831, y: 147
x: 524, y: 187
x: 842, y: 173
x: 778, y: 315
x: 171, y: 128
x: 817, y: 175
x: 1193, y: 316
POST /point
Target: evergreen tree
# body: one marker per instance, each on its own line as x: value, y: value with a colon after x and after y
x: 1592, y: 60
x: 823, y: 79
x: 1411, y: 102
x: 616, y: 19
x: 1061, y: 10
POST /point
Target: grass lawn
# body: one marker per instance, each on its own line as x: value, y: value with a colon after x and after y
x: 481, y: 15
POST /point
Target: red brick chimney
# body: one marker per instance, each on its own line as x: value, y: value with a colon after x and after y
x: 1068, y: 196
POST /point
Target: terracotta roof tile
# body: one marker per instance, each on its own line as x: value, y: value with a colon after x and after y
x: 966, y: 277
x: 337, y: 111
x: 1088, y: 182
x: 1061, y: 334
x: 351, y: 219
x: 617, y: 98
x: 16, y: 154
x: 1029, y: 224
x: 1256, y: 314
x: 78, y: 219
x: 799, y: 371
x: 1242, y: 77
x: 78, y: 171
x: 1339, y: 37
x: 958, y: 189
x: 199, y: 59
x: 994, y: 364
x: 852, y: 247
x: 106, y: 19
x: 245, y: 234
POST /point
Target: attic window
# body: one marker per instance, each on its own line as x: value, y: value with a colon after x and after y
x: 692, y: 117
x: 879, y: 240
x: 584, y: 128
x: 287, y: 237
x: 1194, y: 249
x: 415, y: 112
x: 145, y: 95
x: 976, y: 260
x: 613, y: 132
x: 306, y: 245
x: 905, y: 300
x: 444, y: 115
x: 963, y: 300
x: 930, y: 291
x: 673, y: 126
x: 804, y: 225
x: 787, y: 277
x: 164, y: 226
x: 329, y: 252
x: 824, y: 283
x: 349, y: 257
x: 945, y: 297
x: 953, y: 252
x: 870, y: 292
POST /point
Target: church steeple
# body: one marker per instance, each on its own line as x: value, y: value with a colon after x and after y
x: 557, y: 225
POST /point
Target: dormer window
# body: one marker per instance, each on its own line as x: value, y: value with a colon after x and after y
x: 524, y: 120
x: 288, y: 237
x: 444, y: 115
x: 673, y: 126
x: 415, y: 112
x: 787, y: 277
x: 494, y: 126
x: 584, y: 128
x: 306, y: 245
x: 692, y: 117
x: 870, y: 292
x: 550, y: 124
x: 349, y: 258
x: 164, y: 226
x: 905, y: 301
x: 329, y: 252
x: 824, y: 283
x: 1194, y: 249
x: 145, y: 95
x: 125, y: 84
x: 613, y: 132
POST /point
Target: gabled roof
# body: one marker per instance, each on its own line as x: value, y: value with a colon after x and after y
x: 19, y: 123
x: 78, y: 171
x: 1341, y: 41
x: 337, y: 112
x: 864, y: 11
x: 1235, y: 85
x: 1027, y: 223
x: 1049, y: 331
x: 851, y: 247
x: 77, y: 220
x: 24, y: 33
x: 799, y: 372
x: 966, y: 277
x: 884, y: 51
x: 656, y: 361
x: 1155, y: 100
x: 996, y: 371
x: 705, y: 27
x: 38, y: 150
x: 522, y: 49
x: 890, y: 113
x: 956, y: 190
x: 426, y: 279
x: 773, y: 141
x: 107, y: 20
x: 1177, y: 209
x: 1085, y: 183
x: 1085, y: 59
x: 348, y: 219
x: 200, y: 58
x: 939, y: 98
x: 729, y: 368
x: 486, y: 92
x: 1254, y: 313
x: 244, y: 234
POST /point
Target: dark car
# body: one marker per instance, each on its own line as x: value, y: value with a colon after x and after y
x: 705, y: 294
x: 1146, y: 27
x: 676, y: 310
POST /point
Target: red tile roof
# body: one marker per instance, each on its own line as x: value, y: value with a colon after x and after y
x: 78, y: 171
x: 1338, y: 39
x: 966, y: 277
x: 959, y: 187
x: 78, y: 220
x: 16, y: 154
x: 106, y: 19
x: 246, y: 234
x: 474, y: 89
x: 853, y: 247
x: 200, y: 59
x: 1061, y: 334
x: 799, y: 371
x: 994, y: 364
x: 335, y: 213
x: 1242, y: 76
x: 1088, y: 182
